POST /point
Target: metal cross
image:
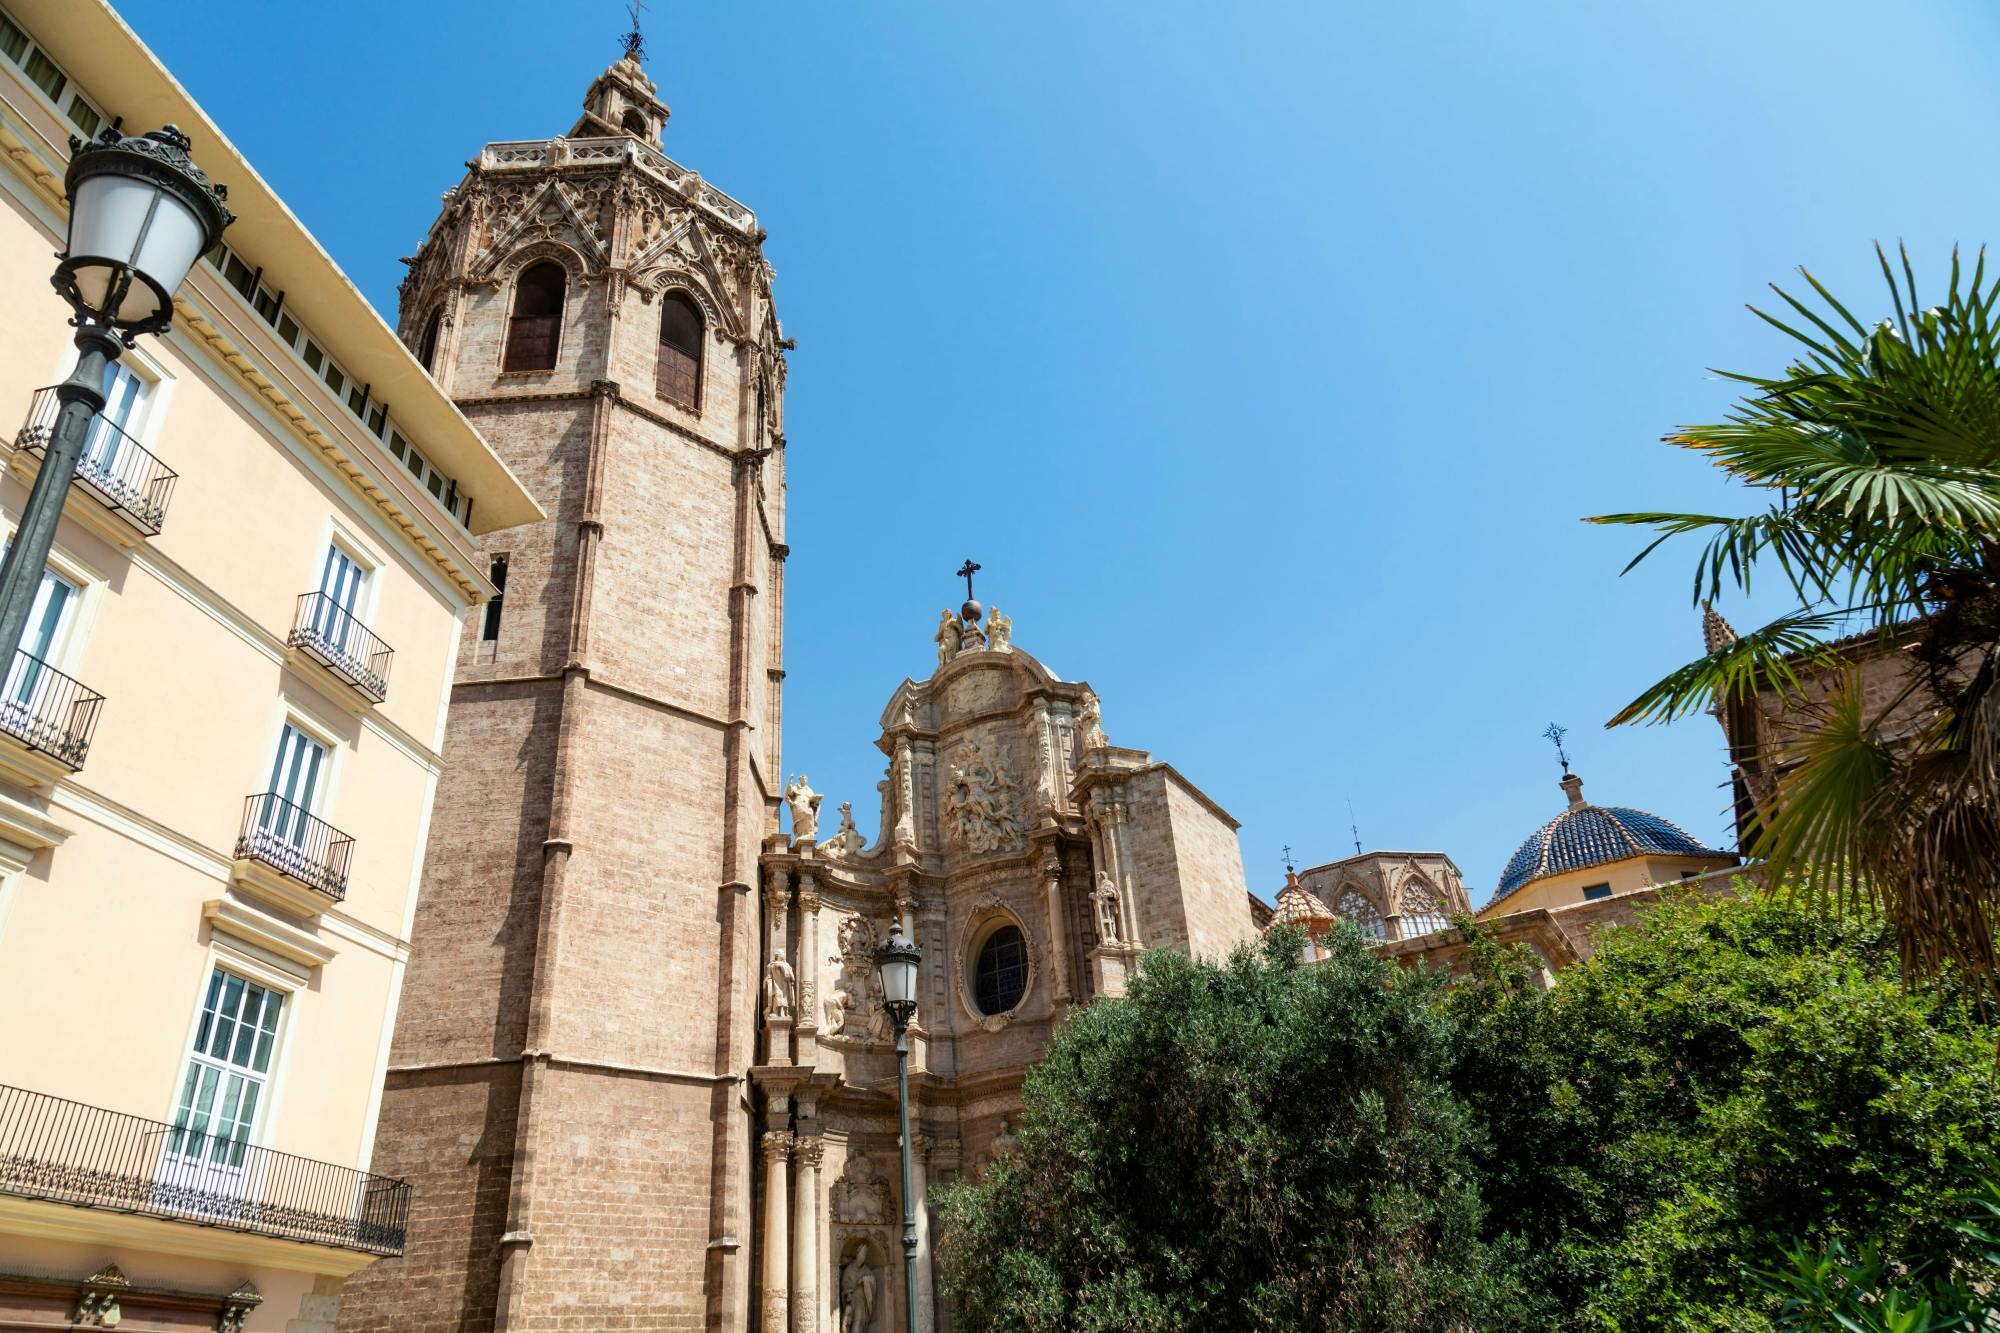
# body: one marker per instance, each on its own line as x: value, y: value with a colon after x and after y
x: 966, y: 572
x: 1289, y: 867
x: 1554, y: 736
x: 634, y: 44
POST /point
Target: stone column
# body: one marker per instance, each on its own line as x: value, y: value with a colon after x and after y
x: 808, y: 1005
x: 777, y: 1219
x: 805, y: 1237
x: 1051, y: 867
x: 906, y: 796
x: 777, y: 1031
x: 920, y: 1151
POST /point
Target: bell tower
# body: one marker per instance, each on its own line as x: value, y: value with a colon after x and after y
x: 567, y: 1089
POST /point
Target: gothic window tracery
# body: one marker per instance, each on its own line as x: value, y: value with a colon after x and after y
x: 1351, y: 905
x: 536, y: 326
x: 1423, y: 910
x: 679, y: 374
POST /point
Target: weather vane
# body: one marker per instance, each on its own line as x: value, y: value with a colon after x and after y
x: 1554, y: 736
x: 1289, y: 867
x: 966, y: 571
x: 633, y: 42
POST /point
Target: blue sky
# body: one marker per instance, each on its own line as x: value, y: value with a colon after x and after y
x: 1265, y: 355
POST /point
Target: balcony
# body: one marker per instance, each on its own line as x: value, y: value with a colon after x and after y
x: 303, y: 851
x: 46, y: 721
x: 87, y: 1157
x: 125, y: 480
x: 327, y: 634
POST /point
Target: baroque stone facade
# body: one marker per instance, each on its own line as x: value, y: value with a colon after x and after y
x: 567, y: 1090
x: 1007, y: 815
x: 642, y: 1075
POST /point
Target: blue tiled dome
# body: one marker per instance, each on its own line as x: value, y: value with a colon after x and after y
x: 1589, y: 835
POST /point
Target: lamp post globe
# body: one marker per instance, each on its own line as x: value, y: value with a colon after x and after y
x: 896, y: 958
x: 140, y: 214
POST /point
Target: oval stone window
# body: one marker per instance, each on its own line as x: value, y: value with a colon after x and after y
x: 1001, y: 975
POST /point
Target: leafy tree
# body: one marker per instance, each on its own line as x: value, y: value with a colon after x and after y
x: 1260, y: 1145
x: 1867, y: 1292
x: 1877, y: 453
x: 1721, y: 1080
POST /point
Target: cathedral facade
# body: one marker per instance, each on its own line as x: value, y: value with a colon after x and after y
x: 642, y: 1076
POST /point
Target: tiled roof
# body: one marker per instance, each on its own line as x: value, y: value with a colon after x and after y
x: 1299, y: 906
x: 1589, y: 835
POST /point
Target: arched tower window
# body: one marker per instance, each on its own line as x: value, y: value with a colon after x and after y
x: 679, y: 373
x: 1423, y: 910
x: 535, y: 329
x: 635, y: 124
x: 427, y: 346
x: 1352, y: 906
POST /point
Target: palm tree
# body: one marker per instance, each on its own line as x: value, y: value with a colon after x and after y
x: 1878, y: 454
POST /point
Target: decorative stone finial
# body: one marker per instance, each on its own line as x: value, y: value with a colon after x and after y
x: 1716, y: 633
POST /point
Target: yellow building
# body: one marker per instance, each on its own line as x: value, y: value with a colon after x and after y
x: 1591, y: 852
x: 219, y: 746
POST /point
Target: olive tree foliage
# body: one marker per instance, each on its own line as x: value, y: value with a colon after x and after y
x: 1262, y: 1144
x: 1726, y: 1085
x: 1723, y: 1091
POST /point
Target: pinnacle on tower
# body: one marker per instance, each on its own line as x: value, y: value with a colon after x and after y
x: 1715, y: 631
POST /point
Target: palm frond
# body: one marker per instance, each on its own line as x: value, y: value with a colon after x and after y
x: 1767, y: 659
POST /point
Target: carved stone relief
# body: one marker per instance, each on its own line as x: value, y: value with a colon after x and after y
x: 853, y: 1006
x: 980, y: 801
x: 861, y: 1196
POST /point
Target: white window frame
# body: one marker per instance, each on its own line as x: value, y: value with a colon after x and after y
x: 220, y: 955
x: 74, y: 631
x: 328, y: 788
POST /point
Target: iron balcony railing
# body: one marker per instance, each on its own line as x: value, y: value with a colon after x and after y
x: 328, y: 633
x: 47, y: 711
x: 113, y: 469
x: 292, y: 842
x: 88, y: 1157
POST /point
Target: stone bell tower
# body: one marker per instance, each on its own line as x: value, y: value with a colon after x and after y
x: 567, y: 1090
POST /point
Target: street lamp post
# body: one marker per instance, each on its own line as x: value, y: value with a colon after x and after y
x: 140, y: 214
x: 897, y: 960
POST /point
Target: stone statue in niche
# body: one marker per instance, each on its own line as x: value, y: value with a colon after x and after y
x: 999, y: 632
x: 805, y: 809
x: 1107, y: 909
x: 979, y: 803
x: 1090, y: 726
x: 778, y: 987
x: 949, y: 634
x: 857, y: 1292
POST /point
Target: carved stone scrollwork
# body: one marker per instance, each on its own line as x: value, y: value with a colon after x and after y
x: 861, y: 1196
x: 237, y: 1306
x: 97, y: 1303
